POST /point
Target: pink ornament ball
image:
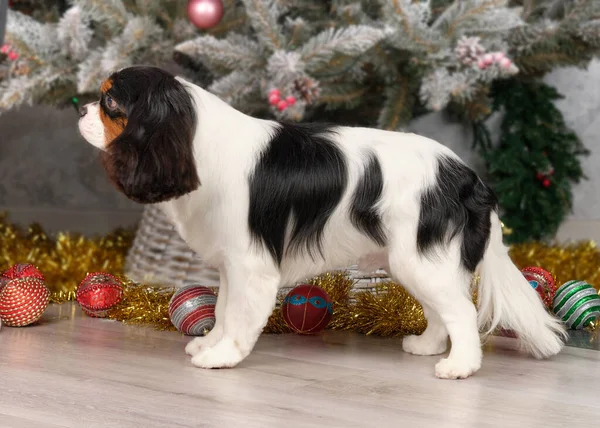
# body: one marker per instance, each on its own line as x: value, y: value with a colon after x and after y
x: 291, y: 100
x: 5, y: 49
x: 205, y: 13
x: 488, y: 59
x: 13, y: 56
x: 274, y: 91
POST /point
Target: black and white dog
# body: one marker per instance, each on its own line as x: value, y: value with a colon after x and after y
x: 272, y: 203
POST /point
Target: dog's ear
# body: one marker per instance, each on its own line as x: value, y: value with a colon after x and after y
x: 152, y: 160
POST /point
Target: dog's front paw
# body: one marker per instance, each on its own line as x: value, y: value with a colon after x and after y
x: 423, y: 345
x: 197, y: 344
x: 223, y: 354
x: 456, y: 368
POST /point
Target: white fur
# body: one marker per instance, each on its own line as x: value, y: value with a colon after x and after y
x: 507, y: 299
x: 91, y: 126
x: 213, y: 222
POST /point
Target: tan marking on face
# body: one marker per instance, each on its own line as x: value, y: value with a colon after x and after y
x: 112, y: 127
x: 106, y: 85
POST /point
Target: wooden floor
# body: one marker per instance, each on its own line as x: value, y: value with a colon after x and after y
x: 75, y: 371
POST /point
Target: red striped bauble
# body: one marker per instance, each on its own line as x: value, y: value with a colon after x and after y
x: 23, y: 301
x: 99, y: 292
x: 307, y: 309
x: 192, y: 310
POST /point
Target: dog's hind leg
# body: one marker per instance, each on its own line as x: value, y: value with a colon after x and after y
x: 433, y: 341
x: 443, y: 287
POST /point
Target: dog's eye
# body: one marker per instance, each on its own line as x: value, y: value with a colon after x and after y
x: 110, y: 103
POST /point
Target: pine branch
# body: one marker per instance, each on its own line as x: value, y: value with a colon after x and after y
x: 26, y: 89
x: 74, y: 33
x: 350, y: 41
x: 460, y: 13
x: 263, y: 16
x: 234, y: 19
x: 299, y: 31
x: 223, y: 55
x: 398, y: 106
x: 346, y: 95
x: 31, y: 37
x: 234, y: 87
x: 90, y: 73
x: 111, y: 14
x: 139, y: 42
x: 283, y: 68
x: 412, y: 18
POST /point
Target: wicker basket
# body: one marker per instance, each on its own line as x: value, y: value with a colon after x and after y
x: 159, y: 256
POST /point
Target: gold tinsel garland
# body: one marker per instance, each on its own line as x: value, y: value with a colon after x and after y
x: 387, y: 310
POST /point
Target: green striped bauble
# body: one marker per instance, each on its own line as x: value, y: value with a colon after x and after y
x: 577, y: 303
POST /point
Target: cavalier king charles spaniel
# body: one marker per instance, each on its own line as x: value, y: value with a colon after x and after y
x: 271, y: 203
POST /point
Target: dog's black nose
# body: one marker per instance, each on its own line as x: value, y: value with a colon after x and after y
x: 82, y: 111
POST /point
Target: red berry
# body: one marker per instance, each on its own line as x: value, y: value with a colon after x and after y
x: 282, y: 105
x: 13, y: 55
x: 546, y: 182
x: 291, y: 100
x: 5, y: 49
x: 274, y: 91
x: 539, y: 176
x: 274, y: 99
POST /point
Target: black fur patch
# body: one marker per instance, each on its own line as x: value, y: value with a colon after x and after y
x: 368, y: 192
x: 298, y: 182
x: 459, y: 202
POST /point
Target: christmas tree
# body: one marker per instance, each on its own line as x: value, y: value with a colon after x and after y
x: 371, y: 62
x: 63, y: 55
x: 537, y: 161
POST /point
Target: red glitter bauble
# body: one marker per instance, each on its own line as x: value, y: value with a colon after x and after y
x: 543, y: 282
x: 20, y: 270
x: 99, y: 292
x: 307, y: 309
x: 23, y: 270
x: 23, y: 301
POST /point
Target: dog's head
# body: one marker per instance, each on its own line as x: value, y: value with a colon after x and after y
x: 144, y: 123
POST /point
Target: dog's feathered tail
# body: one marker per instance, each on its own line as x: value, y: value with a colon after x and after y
x: 506, y: 299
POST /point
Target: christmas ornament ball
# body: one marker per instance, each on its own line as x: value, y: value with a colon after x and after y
x: 307, y: 309
x: 98, y: 292
x: 192, y: 310
x: 23, y: 301
x: 577, y: 303
x: 205, y: 13
x: 543, y: 282
x: 20, y: 270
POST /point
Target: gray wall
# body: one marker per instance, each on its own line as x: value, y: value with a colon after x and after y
x: 49, y: 174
